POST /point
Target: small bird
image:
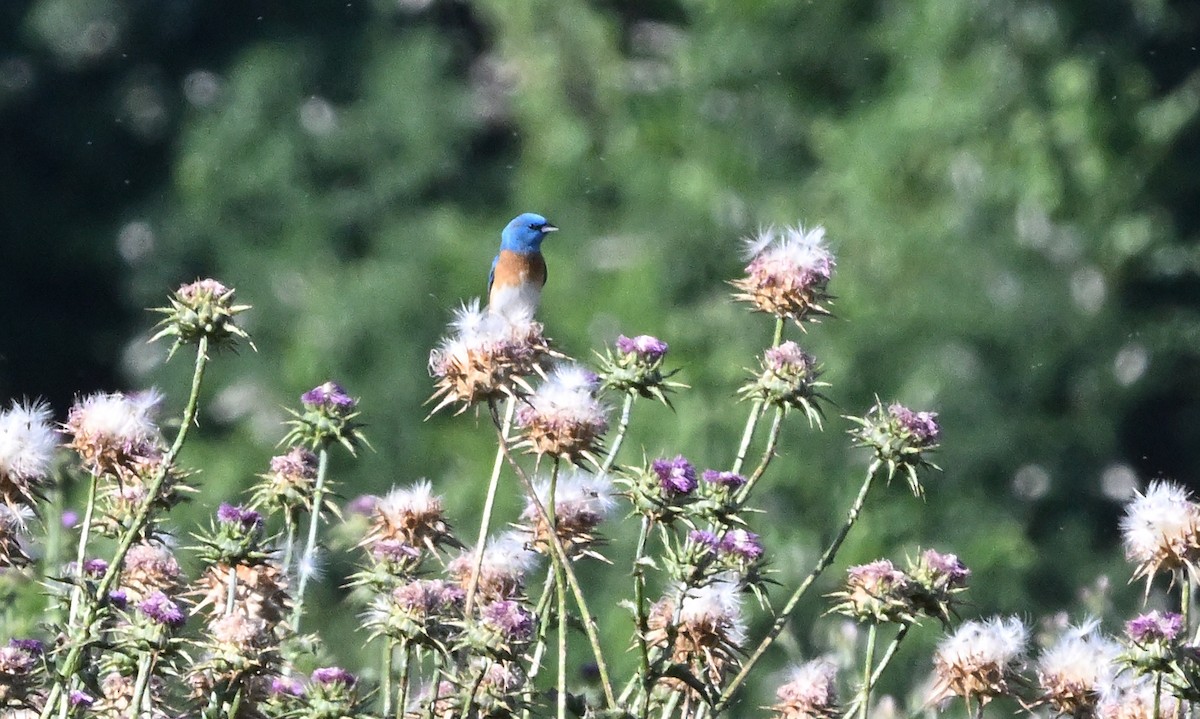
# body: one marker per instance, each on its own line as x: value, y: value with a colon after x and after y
x: 519, y: 270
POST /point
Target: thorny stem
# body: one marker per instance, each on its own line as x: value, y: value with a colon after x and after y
x: 756, y: 410
x: 539, y: 649
x: 310, y: 547
x: 865, y: 692
x: 85, y: 532
x: 488, y: 504
x: 639, y: 602
x: 79, y: 639
x: 619, y: 438
x: 822, y: 564
x: 138, y: 700
x: 589, y: 621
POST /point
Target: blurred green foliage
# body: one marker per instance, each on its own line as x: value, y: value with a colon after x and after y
x: 1009, y: 188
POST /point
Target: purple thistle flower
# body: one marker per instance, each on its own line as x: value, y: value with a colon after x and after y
x: 82, y: 699
x: 704, y: 538
x: 394, y: 550
x: 675, y: 476
x: 1154, y: 627
x: 946, y: 567
x: 70, y: 519
x: 741, y: 543
x: 514, y: 622
x: 921, y: 425
x: 731, y: 480
x: 326, y: 676
x: 328, y: 396
x: 118, y: 598
x: 788, y: 356
x: 159, y: 608
x: 287, y: 686
x: 32, y: 647
x: 95, y: 567
x: 363, y: 504
x: 645, y: 348
x: 247, y: 519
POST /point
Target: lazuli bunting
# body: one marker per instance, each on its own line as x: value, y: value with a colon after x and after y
x: 519, y: 270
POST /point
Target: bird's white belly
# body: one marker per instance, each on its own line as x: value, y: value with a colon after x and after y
x: 515, y: 301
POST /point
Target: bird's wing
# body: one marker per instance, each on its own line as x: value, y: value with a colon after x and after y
x: 492, y: 274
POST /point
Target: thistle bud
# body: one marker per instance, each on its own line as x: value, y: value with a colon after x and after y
x: 788, y: 380
x: 900, y: 438
x: 203, y: 308
x: 329, y: 416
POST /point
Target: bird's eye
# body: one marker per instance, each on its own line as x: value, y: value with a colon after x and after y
x: 534, y: 226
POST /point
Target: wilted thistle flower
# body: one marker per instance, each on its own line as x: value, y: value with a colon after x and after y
x: 203, y: 308
x: 788, y: 380
x: 900, y: 438
x: 809, y: 693
x: 877, y: 592
x: 788, y: 273
x: 506, y: 561
x: 1161, y: 531
x: 636, y: 366
x: 486, y: 356
x: 423, y: 611
x: 27, y: 444
x: 21, y: 666
x: 115, y: 433
x: 329, y: 416
x: 13, y: 539
x: 414, y: 516
x: 563, y: 417
x: 581, y: 501
x: 980, y: 660
x: 290, y: 482
x: 1076, y: 668
x: 1132, y: 697
x: 939, y: 578
x: 710, y: 631
x: 149, y: 567
x: 260, y: 591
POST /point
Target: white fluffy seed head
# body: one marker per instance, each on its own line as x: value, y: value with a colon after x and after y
x: 1161, y: 523
x: 27, y: 441
x: 1077, y: 666
x: 717, y: 604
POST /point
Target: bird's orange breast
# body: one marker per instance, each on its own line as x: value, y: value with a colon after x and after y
x: 514, y: 269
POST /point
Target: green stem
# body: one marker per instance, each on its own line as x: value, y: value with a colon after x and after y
x: 822, y: 564
x: 778, y: 336
x: 310, y: 547
x: 672, y: 702
x: 290, y: 521
x: 619, y: 438
x: 589, y: 620
x: 385, y: 678
x: 539, y: 648
x: 80, y: 638
x: 85, y: 533
x: 54, y: 542
x: 768, y: 455
x: 402, y: 692
x: 488, y: 504
x: 747, y: 434
x: 138, y: 700
x: 1157, y: 694
x: 639, y: 599
x: 560, y: 593
x: 236, y: 705
x: 867, y: 675
x: 231, y: 593
x: 886, y: 659
x: 431, y: 711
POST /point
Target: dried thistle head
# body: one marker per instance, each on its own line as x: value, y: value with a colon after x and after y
x: 115, y: 434
x: 260, y: 592
x: 149, y: 566
x: 581, y: 502
x: 564, y: 417
x: 980, y: 660
x: 486, y: 356
x: 506, y: 562
x: 706, y: 625
x: 28, y: 441
x: 1161, y: 531
x: 1076, y: 668
x: 810, y: 692
x: 14, y: 537
x: 413, y: 516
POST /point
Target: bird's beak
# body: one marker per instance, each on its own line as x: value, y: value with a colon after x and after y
x: 549, y: 228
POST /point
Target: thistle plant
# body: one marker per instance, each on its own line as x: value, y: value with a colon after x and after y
x: 144, y: 620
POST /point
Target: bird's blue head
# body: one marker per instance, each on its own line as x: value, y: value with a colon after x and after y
x: 525, y: 233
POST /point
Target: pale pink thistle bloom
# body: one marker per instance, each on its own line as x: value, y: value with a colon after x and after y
x: 1161, y: 531
x: 980, y: 660
x: 788, y: 272
x: 1133, y: 697
x: 581, y: 502
x: 809, y: 693
x: 1076, y: 668
x: 506, y: 561
x: 563, y: 417
x: 877, y: 592
x: 514, y: 623
x: 923, y: 426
